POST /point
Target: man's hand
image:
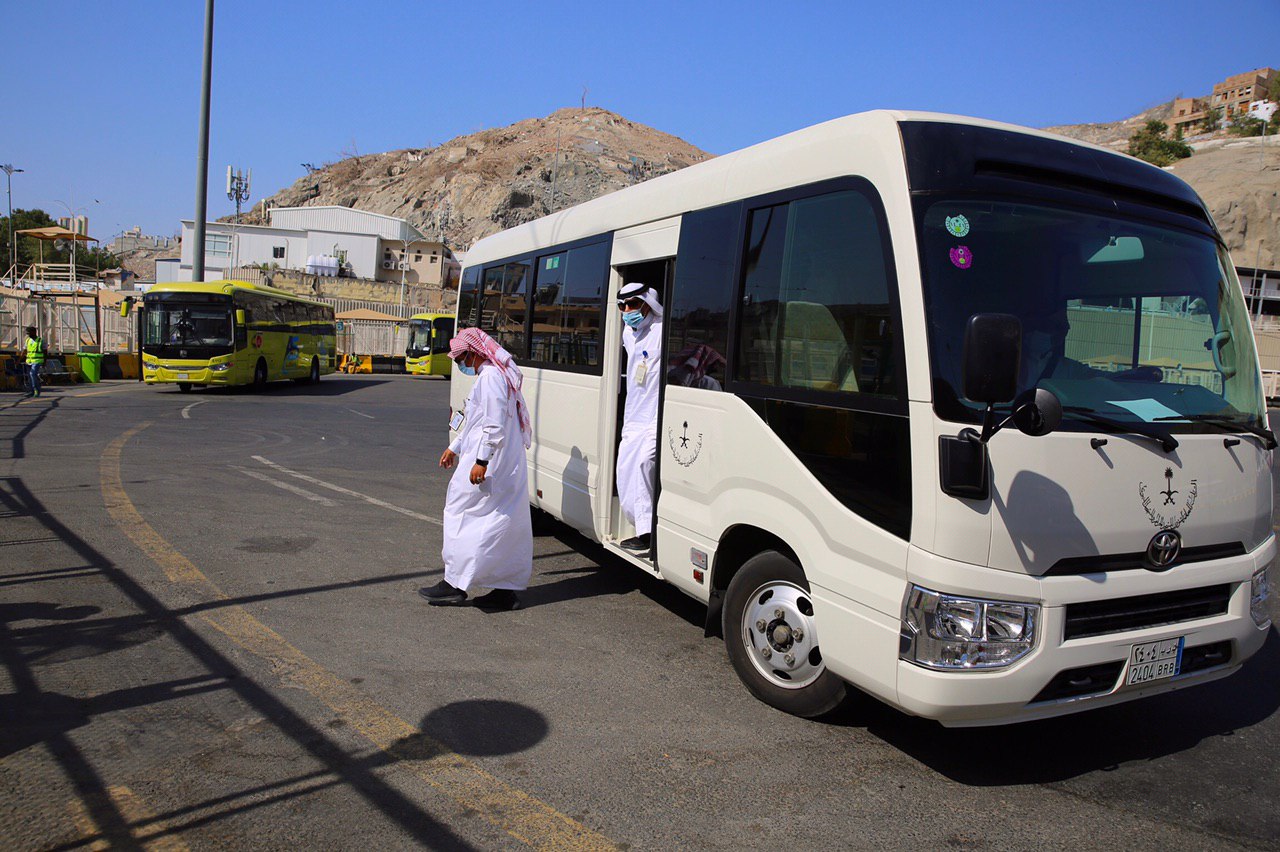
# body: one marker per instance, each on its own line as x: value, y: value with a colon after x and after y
x: 478, y: 473
x: 448, y: 458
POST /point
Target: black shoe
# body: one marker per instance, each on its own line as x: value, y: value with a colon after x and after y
x: 639, y: 544
x: 443, y: 594
x: 499, y: 600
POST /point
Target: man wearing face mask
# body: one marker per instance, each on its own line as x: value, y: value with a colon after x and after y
x: 642, y: 339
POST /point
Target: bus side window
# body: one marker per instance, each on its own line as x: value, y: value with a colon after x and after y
x: 698, y: 317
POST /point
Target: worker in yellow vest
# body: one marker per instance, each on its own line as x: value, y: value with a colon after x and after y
x: 35, y: 358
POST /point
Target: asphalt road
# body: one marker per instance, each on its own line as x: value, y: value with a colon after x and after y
x: 210, y: 637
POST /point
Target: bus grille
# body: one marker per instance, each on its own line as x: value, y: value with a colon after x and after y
x: 1096, y: 618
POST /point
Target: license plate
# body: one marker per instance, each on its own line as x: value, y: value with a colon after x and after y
x: 1152, y: 661
x: 182, y: 375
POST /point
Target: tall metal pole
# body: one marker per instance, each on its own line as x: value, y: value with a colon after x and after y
x: 202, y: 148
x: 13, y: 263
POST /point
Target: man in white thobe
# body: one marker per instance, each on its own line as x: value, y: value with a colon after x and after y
x: 488, y: 537
x: 642, y: 339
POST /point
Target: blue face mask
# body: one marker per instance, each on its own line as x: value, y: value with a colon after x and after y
x: 465, y: 369
x: 632, y: 318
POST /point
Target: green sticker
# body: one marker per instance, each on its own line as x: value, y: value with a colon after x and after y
x: 957, y: 226
x: 553, y: 262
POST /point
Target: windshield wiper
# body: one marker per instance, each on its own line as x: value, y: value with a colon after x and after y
x: 1268, y: 437
x: 1164, y: 439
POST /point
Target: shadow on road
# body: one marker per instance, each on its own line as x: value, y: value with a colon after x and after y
x: 328, y: 386
x: 29, y: 715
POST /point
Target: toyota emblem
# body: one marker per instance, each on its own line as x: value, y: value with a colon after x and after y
x: 1164, y: 550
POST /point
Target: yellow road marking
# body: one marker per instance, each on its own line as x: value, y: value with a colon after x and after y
x: 51, y: 397
x: 132, y: 808
x: 514, y: 811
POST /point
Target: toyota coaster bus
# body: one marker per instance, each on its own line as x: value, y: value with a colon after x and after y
x: 965, y: 415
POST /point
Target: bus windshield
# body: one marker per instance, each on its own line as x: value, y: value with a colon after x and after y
x: 419, y: 337
x: 171, y: 323
x: 1128, y: 319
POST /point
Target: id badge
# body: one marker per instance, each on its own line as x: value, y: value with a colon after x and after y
x: 455, y: 422
x: 642, y: 373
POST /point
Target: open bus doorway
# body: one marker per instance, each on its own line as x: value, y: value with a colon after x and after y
x: 642, y: 377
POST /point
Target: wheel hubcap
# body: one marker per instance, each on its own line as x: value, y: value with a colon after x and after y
x: 779, y: 635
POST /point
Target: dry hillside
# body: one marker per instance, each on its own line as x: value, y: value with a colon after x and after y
x: 479, y: 184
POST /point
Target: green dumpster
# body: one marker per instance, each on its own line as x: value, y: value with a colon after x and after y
x: 91, y: 366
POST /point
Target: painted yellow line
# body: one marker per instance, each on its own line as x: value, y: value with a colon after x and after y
x: 514, y: 811
x: 46, y: 397
x: 132, y: 808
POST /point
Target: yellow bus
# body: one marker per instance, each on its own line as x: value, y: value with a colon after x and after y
x: 428, y: 350
x: 218, y: 333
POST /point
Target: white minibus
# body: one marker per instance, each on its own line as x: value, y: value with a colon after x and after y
x: 964, y: 415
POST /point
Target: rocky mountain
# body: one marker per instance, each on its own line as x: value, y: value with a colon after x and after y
x: 1113, y: 134
x: 479, y: 184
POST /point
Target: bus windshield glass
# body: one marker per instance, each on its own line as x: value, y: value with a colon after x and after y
x: 172, y: 323
x: 1131, y: 320
x: 419, y: 337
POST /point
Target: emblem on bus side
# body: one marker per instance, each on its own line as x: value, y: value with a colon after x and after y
x: 684, y: 449
x: 1156, y: 514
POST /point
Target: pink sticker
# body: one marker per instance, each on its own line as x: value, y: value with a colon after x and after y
x: 962, y: 257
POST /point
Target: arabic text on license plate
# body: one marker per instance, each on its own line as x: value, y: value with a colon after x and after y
x: 1154, y: 660
x: 182, y: 375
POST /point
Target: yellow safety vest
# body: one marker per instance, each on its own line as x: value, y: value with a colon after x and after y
x: 35, y: 351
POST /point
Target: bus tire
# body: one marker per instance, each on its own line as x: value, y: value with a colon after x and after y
x: 260, y: 375
x: 315, y: 370
x: 772, y: 639
x: 185, y: 387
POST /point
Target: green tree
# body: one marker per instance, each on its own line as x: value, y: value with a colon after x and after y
x: 1246, y: 125
x: 1152, y: 144
x: 1212, y: 118
x: 1273, y: 90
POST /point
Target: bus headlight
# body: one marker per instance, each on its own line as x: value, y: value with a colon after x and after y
x: 1259, y: 593
x: 958, y: 634
x: 219, y: 368
x: 150, y: 365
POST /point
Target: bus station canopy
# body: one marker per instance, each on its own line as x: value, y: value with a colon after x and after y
x: 56, y: 232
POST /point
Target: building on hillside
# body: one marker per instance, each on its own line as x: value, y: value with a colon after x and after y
x: 366, y: 245
x: 1233, y: 94
x: 1232, y: 97
x: 133, y: 239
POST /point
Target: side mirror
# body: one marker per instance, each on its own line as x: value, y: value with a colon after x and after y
x: 992, y: 355
x: 126, y: 306
x: 240, y: 319
x: 1037, y: 412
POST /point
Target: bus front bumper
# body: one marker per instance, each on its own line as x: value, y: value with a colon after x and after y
x: 200, y: 374
x: 1060, y: 675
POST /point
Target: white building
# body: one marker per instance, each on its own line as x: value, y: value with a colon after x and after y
x: 367, y: 245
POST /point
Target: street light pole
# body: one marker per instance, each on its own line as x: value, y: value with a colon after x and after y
x: 8, y: 171
x: 202, y: 148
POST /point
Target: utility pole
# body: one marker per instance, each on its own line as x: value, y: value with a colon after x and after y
x: 13, y: 263
x: 202, y: 148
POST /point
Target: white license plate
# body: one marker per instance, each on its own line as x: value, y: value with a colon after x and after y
x: 1152, y: 661
x: 182, y: 375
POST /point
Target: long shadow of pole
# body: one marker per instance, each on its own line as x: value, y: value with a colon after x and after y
x: 394, y: 805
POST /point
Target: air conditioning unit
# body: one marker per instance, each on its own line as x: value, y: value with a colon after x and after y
x: 388, y: 264
x: 404, y: 264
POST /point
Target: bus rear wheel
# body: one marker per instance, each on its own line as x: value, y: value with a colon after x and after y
x: 772, y: 638
x: 315, y: 370
x: 260, y: 375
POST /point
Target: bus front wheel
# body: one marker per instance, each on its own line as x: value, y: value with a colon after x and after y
x: 315, y: 370
x: 260, y: 375
x: 772, y: 638
x: 185, y: 387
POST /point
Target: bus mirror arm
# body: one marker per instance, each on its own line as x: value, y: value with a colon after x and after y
x: 1035, y: 412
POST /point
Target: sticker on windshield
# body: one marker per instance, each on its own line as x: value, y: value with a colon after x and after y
x: 957, y: 226
x: 962, y: 257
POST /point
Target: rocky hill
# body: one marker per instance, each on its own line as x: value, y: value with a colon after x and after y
x: 479, y: 184
x: 1239, y: 181
x: 1113, y: 134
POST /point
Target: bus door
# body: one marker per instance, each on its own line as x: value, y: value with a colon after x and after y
x: 657, y: 274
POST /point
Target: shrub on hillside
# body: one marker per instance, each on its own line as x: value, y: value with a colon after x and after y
x: 1152, y: 144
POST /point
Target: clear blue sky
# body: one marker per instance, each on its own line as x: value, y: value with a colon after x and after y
x: 102, y: 99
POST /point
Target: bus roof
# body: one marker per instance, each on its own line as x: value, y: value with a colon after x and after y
x: 867, y: 143
x: 228, y: 287
x: 431, y: 316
